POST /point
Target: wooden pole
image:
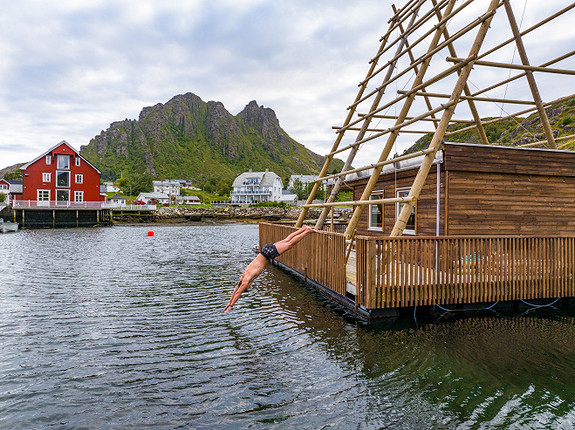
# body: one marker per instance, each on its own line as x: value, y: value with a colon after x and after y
x: 479, y: 99
x: 371, y: 166
x: 438, y: 137
x: 526, y: 67
x: 393, y: 135
x: 467, y: 92
x: 338, y: 139
x: 359, y: 137
x: 529, y: 74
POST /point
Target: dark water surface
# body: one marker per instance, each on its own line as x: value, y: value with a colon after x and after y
x: 109, y: 328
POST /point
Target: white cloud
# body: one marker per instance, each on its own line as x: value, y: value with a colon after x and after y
x: 70, y: 68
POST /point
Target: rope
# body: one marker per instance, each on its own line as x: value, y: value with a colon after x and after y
x: 541, y: 306
x: 488, y: 308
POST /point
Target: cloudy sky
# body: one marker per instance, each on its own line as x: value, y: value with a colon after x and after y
x: 69, y: 68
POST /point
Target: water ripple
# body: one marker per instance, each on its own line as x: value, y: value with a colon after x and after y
x: 110, y: 328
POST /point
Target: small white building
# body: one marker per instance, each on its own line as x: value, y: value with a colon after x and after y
x: 189, y: 200
x: 117, y: 200
x: 304, y: 179
x: 152, y: 198
x: 169, y: 187
x: 288, y: 198
x: 257, y: 187
x: 111, y: 188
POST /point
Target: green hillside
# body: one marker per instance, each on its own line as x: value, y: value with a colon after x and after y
x: 516, y: 130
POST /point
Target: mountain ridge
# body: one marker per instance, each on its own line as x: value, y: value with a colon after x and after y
x: 187, y: 137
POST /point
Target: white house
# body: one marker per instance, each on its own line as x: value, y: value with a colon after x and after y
x: 189, y: 200
x: 117, y: 200
x: 256, y: 187
x: 150, y: 198
x: 288, y: 198
x: 304, y: 179
x: 111, y: 188
x: 169, y: 187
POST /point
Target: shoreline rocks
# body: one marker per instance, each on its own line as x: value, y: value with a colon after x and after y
x: 272, y: 214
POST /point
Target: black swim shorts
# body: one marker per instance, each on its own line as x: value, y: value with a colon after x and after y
x: 269, y: 251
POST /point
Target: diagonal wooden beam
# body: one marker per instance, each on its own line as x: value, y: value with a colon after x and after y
x: 349, y: 232
x: 437, y: 139
x: 529, y: 75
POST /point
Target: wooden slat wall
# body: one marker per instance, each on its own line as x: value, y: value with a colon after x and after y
x: 426, y: 206
x: 504, y: 204
x: 508, y: 160
x: 320, y: 256
x: 401, y: 272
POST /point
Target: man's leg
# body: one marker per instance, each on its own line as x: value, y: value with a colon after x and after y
x: 287, y: 243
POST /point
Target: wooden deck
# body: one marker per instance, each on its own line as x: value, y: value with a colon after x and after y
x: 415, y: 271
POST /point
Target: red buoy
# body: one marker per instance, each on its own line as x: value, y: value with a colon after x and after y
x: 150, y: 233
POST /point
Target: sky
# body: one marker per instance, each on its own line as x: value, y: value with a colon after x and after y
x: 70, y: 68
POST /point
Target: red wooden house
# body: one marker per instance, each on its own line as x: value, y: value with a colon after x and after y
x: 61, y: 177
x: 12, y: 188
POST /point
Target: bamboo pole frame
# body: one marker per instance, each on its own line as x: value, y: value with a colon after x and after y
x: 362, y: 132
x: 412, y: 23
x: 438, y: 137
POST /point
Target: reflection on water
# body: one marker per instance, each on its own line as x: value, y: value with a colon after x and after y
x: 108, y: 328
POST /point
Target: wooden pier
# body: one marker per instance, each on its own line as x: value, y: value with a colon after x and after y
x: 385, y: 274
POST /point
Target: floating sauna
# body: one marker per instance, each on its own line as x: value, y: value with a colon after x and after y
x: 454, y: 223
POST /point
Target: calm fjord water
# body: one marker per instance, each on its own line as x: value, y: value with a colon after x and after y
x: 109, y: 328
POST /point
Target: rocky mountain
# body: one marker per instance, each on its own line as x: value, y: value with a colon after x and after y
x: 187, y: 137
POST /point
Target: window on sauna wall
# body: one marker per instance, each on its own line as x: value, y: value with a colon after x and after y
x: 63, y: 161
x: 410, y: 226
x: 375, y: 213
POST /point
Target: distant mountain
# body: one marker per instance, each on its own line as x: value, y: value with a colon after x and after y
x: 187, y: 137
x: 516, y: 131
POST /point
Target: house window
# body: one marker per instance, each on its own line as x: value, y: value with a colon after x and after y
x: 78, y: 196
x: 48, y: 159
x: 410, y: 226
x: 46, y: 177
x: 62, y: 179
x: 77, y: 161
x: 63, y: 161
x: 43, y: 195
x: 79, y: 179
x: 376, y: 213
x: 63, y: 195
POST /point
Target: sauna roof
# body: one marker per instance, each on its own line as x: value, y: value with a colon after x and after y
x: 488, y: 158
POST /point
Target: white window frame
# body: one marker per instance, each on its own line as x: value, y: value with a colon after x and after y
x: 375, y: 195
x: 78, y: 196
x: 61, y: 165
x: 77, y: 161
x: 41, y: 194
x: 46, y: 177
x: 403, y: 192
x: 63, y: 190
x: 79, y: 178
x: 48, y: 159
x: 69, y: 179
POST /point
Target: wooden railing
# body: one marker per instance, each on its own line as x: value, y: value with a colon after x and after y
x: 319, y: 256
x: 400, y: 272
